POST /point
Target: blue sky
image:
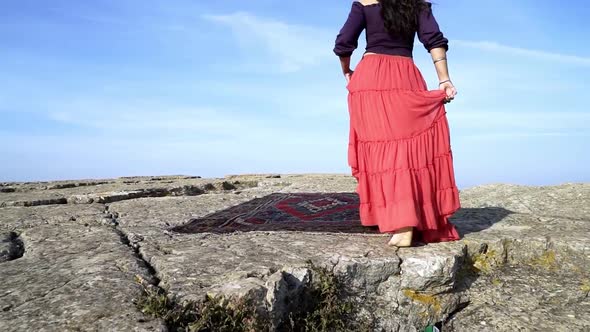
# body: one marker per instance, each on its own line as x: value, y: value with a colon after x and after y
x: 106, y: 88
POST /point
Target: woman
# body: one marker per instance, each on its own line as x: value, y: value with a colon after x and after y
x: 399, y: 145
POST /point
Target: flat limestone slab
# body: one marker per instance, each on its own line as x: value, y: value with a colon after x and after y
x: 525, y: 251
x: 107, y: 191
x: 73, y: 275
x: 527, y: 298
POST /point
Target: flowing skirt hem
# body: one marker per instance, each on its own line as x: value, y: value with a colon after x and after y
x: 399, y: 150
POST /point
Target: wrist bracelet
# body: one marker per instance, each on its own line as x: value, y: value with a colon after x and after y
x: 445, y: 81
x: 439, y: 59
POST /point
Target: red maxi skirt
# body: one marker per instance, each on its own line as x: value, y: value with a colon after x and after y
x: 399, y: 149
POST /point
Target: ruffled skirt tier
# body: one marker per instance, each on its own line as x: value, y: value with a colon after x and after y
x: 399, y: 150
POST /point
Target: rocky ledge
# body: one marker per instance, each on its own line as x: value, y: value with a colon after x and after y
x: 102, y: 255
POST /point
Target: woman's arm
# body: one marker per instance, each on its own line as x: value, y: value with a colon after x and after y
x: 345, y: 64
x: 439, y: 57
x: 435, y: 42
x: 347, y: 39
x: 442, y: 69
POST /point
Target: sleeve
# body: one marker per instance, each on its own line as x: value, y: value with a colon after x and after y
x: 428, y: 31
x: 347, y: 39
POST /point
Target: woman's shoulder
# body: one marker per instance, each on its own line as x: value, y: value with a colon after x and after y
x: 366, y: 3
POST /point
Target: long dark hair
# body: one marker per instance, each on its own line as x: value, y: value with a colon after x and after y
x: 401, y: 16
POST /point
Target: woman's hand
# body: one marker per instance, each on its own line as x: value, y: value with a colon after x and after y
x: 348, y: 76
x: 345, y: 65
x: 449, y: 89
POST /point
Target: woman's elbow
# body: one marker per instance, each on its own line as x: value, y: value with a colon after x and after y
x: 437, y: 48
x: 344, y: 49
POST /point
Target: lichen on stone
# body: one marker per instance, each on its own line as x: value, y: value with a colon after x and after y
x: 431, y: 300
x: 546, y: 260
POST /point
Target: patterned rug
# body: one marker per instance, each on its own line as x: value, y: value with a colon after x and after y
x: 324, y: 212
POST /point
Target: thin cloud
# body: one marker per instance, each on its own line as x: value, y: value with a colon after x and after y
x: 205, y: 125
x: 136, y: 119
x: 513, y: 135
x: 543, y: 55
x: 293, y: 46
x: 524, y: 121
x: 488, y: 125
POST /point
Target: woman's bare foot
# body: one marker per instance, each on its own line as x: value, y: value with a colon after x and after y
x: 402, y: 237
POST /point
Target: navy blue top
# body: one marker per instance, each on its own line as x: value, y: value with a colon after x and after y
x: 379, y: 40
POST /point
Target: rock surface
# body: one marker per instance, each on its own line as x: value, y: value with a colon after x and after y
x: 70, y: 252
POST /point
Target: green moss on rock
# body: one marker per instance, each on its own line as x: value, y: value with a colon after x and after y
x: 430, y: 300
x: 324, y: 309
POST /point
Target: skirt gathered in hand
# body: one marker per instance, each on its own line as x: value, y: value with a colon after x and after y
x: 399, y: 149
